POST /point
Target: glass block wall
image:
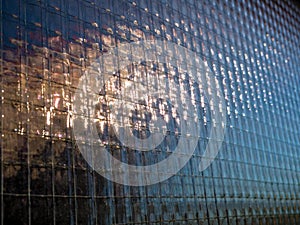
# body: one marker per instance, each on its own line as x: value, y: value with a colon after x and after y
x: 252, y: 49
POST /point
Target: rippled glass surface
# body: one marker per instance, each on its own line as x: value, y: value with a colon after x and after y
x: 252, y: 49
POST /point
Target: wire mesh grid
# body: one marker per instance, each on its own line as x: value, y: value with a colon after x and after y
x: 253, y: 51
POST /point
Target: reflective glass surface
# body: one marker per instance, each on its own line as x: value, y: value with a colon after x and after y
x: 252, y: 49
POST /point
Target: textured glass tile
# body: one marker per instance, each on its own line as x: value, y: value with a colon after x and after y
x: 251, y: 48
